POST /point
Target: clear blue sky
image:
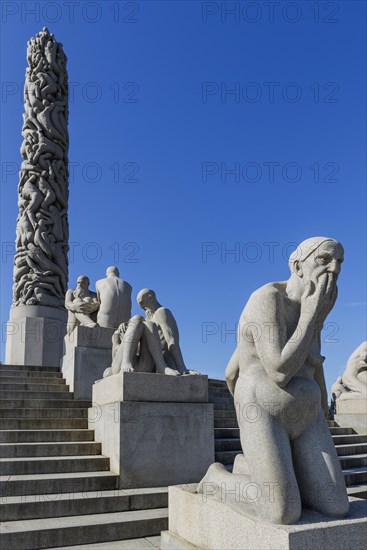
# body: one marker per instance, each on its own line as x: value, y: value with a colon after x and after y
x: 153, y: 129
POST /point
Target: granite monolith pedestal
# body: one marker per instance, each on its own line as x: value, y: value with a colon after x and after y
x: 157, y: 430
x: 87, y: 353
x: 352, y: 413
x: 199, y: 522
x: 35, y: 335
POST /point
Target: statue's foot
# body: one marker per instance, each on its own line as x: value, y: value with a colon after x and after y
x: 91, y: 325
x: 107, y: 372
x: 212, y: 476
x: 127, y: 367
x: 171, y: 372
x: 188, y: 372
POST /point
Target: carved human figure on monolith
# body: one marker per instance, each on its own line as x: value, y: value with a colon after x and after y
x: 81, y: 304
x: 114, y: 296
x: 41, y: 262
x: 276, y: 377
x: 353, y: 382
x: 145, y: 345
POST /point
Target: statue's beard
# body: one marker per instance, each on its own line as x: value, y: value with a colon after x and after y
x: 149, y: 314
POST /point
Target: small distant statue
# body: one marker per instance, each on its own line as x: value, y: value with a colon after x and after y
x: 148, y: 345
x: 114, y: 296
x: 81, y: 304
x: 353, y: 382
x: 276, y: 377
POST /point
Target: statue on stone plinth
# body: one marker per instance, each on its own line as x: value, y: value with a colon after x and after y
x: 149, y: 344
x: 81, y: 304
x: 276, y: 377
x: 114, y: 296
x: 40, y: 263
x: 353, y: 382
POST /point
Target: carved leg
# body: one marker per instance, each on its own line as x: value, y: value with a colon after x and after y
x: 318, y: 470
x: 126, y: 354
x: 155, y: 348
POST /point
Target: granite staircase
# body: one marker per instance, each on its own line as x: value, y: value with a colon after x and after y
x: 56, y: 488
x: 351, y: 447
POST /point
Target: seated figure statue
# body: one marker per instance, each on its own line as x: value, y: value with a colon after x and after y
x: 148, y: 345
x: 276, y: 377
x: 353, y: 382
x: 81, y: 304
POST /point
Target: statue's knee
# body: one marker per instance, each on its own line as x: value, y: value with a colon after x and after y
x: 136, y: 319
x: 286, y: 512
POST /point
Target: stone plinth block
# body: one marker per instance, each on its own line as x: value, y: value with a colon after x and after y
x: 86, y: 337
x: 155, y: 444
x: 88, y: 352
x: 35, y: 336
x: 352, y: 413
x: 141, y: 386
x: 210, y: 524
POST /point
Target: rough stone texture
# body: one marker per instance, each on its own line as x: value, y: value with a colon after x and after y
x: 35, y: 336
x: 155, y: 444
x: 277, y: 380
x: 87, y: 337
x: 352, y: 413
x: 81, y: 367
x: 139, y: 386
x: 215, y: 525
x: 41, y: 262
x: 88, y: 352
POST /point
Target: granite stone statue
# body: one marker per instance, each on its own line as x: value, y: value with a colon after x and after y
x: 40, y: 264
x: 114, y: 296
x: 150, y: 344
x: 276, y: 378
x: 353, y: 382
x: 82, y: 305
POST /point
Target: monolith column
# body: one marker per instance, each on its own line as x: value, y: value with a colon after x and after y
x: 37, y: 320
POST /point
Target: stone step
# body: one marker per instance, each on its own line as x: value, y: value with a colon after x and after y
x: 227, y: 457
x: 53, y: 532
x: 228, y: 444
x: 146, y: 543
x: 53, y: 464
x: 25, y: 381
x: 216, y: 399
x: 218, y: 407
x: 357, y: 491
x: 354, y: 476
x: 341, y: 431
x: 35, y: 436
x: 354, y: 448
x: 225, y: 413
x: 74, y: 504
x: 44, y: 413
x: 39, y: 375
x: 220, y: 433
x: 32, y: 387
x: 4, y: 368
x: 42, y: 484
x: 349, y: 439
x: 354, y: 461
x: 225, y: 423
x: 13, y: 394
x: 11, y: 450
x: 43, y: 423
x: 43, y: 403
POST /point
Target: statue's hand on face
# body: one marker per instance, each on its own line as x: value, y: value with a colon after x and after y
x: 313, y: 297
